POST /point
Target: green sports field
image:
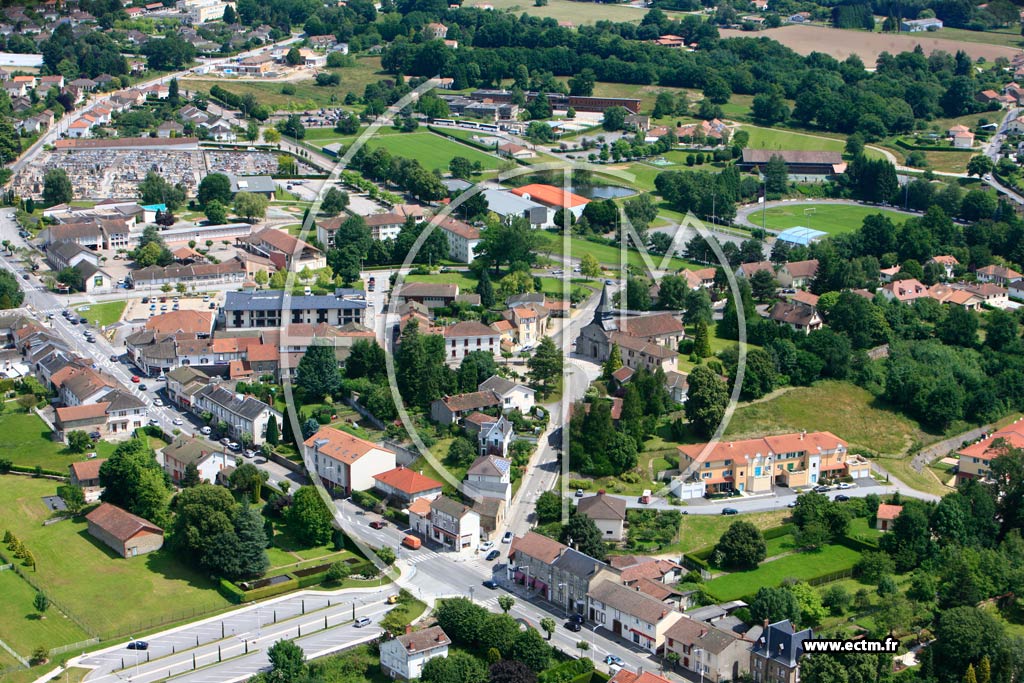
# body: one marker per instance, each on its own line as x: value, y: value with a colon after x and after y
x: 831, y: 218
x: 433, y: 151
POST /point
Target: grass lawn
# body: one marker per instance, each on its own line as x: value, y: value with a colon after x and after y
x: 103, y: 314
x: 566, y: 10
x: 79, y: 572
x: 20, y: 624
x: 1004, y: 37
x: 949, y: 162
x: 25, y: 439
x: 925, y: 480
x: 608, y: 255
x: 831, y: 218
x: 464, y: 279
x: 307, y: 95
x: 779, y: 138
x: 433, y: 151
x: 798, y: 566
x: 860, y: 530
x: 700, y: 531
x: 844, y: 409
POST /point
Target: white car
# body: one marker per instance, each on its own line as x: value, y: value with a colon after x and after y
x: 205, y: 430
x: 249, y: 453
x: 161, y: 377
x: 845, y: 485
x: 234, y: 446
x: 178, y: 422
x: 153, y: 421
x: 158, y: 402
x: 486, y: 545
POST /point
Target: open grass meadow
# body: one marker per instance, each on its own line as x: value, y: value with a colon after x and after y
x: 108, y: 595
x: 606, y: 254
x: 778, y: 138
x: 23, y: 628
x: 103, y: 314
x: 25, y: 440
x: 842, y: 408
x: 569, y: 11
x: 834, y: 219
x: 432, y: 151
x: 805, y: 565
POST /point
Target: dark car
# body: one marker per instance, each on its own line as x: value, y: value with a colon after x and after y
x: 114, y: 358
x: 490, y: 584
x: 143, y: 387
x: 578, y: 618
x: 377, y: 524
x: 822, y: 489
x: 24, y: 276
x: 841, y: 498
x: 493, y: 555
x: 573, y: 626
x: 138, y: 645
x: 730, y: 511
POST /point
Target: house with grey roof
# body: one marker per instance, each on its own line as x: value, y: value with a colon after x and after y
x: 508, y: 205
x: 244, y: 415
x: 560, y: 574
x: 271, y: 308
x: 775, y: 655
x: 209, y: 458
x: 608, y: 513
x: 514, y: 396
x: 708, y: 651
x: 447, y: 523
x: 630, y: 614
x: 490, y: 476
x: 68, y: 254
x: 403, y: 657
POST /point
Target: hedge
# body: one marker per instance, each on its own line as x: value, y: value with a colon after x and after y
x: 778, y: 531
x: 930, y: 148
x: 566, y: 672
x: 591, y: 677
x: 33, y: 470
x: 230, y: 591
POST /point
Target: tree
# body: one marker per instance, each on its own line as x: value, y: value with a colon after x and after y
x: 79, y: 441
x: 509, y: 671
x: 979, y: 165
x: 251, y: 206
x: 774, y: 604
x: 461, y: 453
x: 763, y: 285
x: 582, y: 533
x: 287, y: 662
x: 57, y: 187
x: 191, y: 476
x: 614, y: 118
x: 154, y: 189
x: 41, y: 603
x: 697, y: 307
x: 770, y: 107
x: 457, y: 667
x: 776, y: 175
x: 959, y: 328
x: 545, y: 365
x: 309, y: 518
x: 317, y: 373
x: 547, y: 624
x: 706, y: 399
x: 216, y: 213
x: 589, y: 266
x: 248, y: 479
x: 252, y: 543
x: 214, y: 187
x: 273, y: 435
x: 132, y: 479
x: 742, y: 546
x: 548, y: 507
x: 530, y: 649
x: 701, y: 340
x: 582, y: 83
x: 338, y: 572
x: 73, y: 497
x: 613, y: 362
x: 334, y: 202
x: 203, y: 521
x: 505, y: 602
x: 386, y: 555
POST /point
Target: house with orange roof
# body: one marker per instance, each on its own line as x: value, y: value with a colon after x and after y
x: 886, y: 515
x: 946, y: 262
x: 405, y: 485
x: 757, y: 465
x: 905, y: 291
x: 553, y: 197
x: 976, y: 459
x: 1000, y: 275
x: 463, y: 239
x: 86, y: 475
x: 345, y: 462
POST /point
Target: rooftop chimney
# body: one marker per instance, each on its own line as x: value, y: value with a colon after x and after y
x: 408, y: 629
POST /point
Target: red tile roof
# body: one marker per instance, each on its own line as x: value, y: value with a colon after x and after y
x: 87, y: 469
x: 888, y: 512
x: 119, y: 523
x: 550, y: 195
x: 407, y: 481
x: 340, y: 445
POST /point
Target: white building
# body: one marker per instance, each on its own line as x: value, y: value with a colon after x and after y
x: 629, y: 614
x: 608, y: 513
x: 244, y: 415
x: 208, y: 458
x: 468, y: 336
x: 345, y: 461
x: 490, y: 476
x: 514, y: 396
x: 403, y: 657
x: 448, y: 523
x: 463, y: 240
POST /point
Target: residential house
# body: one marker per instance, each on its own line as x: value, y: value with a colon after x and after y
x: 748, y: 270
x: 287, y: 252
x: 513, y: 396
x: 448, y: 523
x: 629, y: 614
x: 403, y: 657
x: 490, y: 476
x: 627, y: 676
x: 556, y: 572
x: 1000, y: 275
x: 708, y: 651
x: 406, y: 485
x: 946, y: 294
x: 755, y: 465
x: 127, y: 534
x: 199, y: 323
x: 963, y: 140
x: 244, y: 415
x: 528, y: 323
x: 886, y: 515
x: 947, y: 263
x: 182, y: 383
x: 989, y: 293
x: 976, y: 459
x: 1015, y: 290
x: 210, y: 459
x: 170, y: 129
x: 799, y: 312
x: 608, y: 513
x: 346, y: 462
x: 429, y: 294
x: 451, y: 409
x: 797, y: 274
x: 639, y: 353
x: 775, y: 656
x: 467, y: 336
x: 492, y: 516
x: 645, y: 341
x: 435, y: 31
x: 86, y: 475
x: 905, y: 291
x: 493, y: 434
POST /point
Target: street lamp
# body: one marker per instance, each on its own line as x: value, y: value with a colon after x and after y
x: 563, y: 588
x: 471, y: 590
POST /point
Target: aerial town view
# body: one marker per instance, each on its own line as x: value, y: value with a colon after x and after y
x: 512, y: 341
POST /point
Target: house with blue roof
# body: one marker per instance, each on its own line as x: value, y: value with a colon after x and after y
x: 775, y: 656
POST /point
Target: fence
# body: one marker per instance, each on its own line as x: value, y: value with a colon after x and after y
x: 365, y: 414
x: 80, y: 645
x: 829, y: 578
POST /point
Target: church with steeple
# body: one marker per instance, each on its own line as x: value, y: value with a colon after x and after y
x: 649, y: 341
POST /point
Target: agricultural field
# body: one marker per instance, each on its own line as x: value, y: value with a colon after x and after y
x: 307, y: 95
x: 78, y: 572
x: 566, y: 10
x: 834, y: 219
x: 841, y: 43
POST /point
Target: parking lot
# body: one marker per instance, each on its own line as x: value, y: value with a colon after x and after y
x: 150, y: 302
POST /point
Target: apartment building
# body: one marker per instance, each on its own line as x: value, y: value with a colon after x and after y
x: 775, y: 657
x: 271, y: 308
x: 244, y: 415
x: 346, y: 462
x: 630, y: 614
x: 976, y: 459
x: 556, y: 572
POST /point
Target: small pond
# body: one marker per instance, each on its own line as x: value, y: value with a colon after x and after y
x: 603, y: 191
